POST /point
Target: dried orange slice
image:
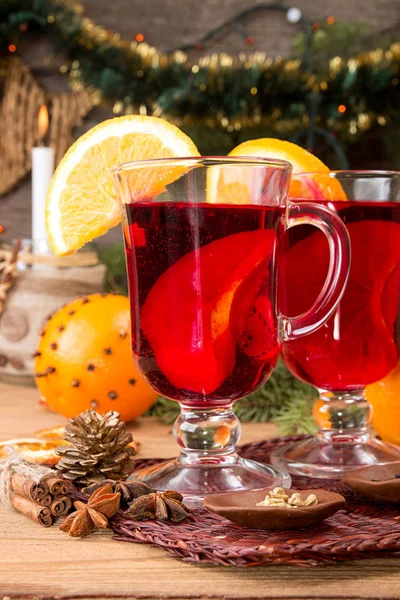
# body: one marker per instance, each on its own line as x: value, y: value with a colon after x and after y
x: 55, y: 433
x: 41, y: 448
x: 233, y: 186
x: 81, y: 201
x: 42, y: 456
x: 35, y: 450
x: 33, y: 441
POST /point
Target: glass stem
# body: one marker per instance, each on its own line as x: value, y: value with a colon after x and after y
x: 343, y: 416
x: 207, y: 435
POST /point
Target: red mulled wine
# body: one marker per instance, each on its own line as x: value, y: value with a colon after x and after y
x: 202, y: 288
x: 360, y: 343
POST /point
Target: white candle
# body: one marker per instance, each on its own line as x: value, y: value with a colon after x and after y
x: 42, y: 172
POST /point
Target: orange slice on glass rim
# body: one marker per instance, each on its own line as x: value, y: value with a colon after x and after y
x: 82, y: 203
x: 233, y: 186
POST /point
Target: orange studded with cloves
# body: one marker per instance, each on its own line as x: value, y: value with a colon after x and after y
x: 84, y: 360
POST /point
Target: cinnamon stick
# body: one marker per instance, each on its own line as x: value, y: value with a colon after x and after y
x: 39, y: 514
x: 61, y: 506
x: 45, y: 500
x: 58, y: 486
x: 38, y: 492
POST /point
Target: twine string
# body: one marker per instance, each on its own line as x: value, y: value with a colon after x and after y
x: 8, y: 265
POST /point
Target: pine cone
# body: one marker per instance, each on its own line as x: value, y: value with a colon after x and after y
x: 99, y: 448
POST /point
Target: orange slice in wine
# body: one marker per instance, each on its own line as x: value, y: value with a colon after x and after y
x: 357, y: 345
x: 194, y: 329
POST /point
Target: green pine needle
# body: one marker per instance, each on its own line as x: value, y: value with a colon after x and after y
x: 297, y: 418
x: 332, y: 39
x: 114, y: 259
x: 164, y: 409
x: 273, y: 398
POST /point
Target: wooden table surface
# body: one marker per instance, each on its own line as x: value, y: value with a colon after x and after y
x: 46, y: 563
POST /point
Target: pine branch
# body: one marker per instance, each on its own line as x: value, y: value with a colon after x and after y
x: 114, y: 259
x: 164, y: 409
x: 272, y: 399
x: 283, y: 399
x: 297, y: 418
x: 332, y: 39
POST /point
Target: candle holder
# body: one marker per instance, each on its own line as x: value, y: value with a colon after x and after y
x: 42, y: 284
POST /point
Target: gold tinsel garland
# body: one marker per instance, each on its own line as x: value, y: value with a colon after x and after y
x: 212, y: 81
x: 216, y: 64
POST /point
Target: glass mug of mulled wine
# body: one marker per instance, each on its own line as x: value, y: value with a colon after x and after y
x: 360, y: 343
x: 202, y: 266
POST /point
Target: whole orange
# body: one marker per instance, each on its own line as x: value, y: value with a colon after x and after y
x: 385, y: 399
x: 84, y: 360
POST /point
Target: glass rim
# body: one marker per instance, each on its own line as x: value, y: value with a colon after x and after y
x: 205, y: 161
x: 351, y: 174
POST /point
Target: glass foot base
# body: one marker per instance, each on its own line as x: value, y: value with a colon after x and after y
x: 197, y: 480
x: 327, y: 459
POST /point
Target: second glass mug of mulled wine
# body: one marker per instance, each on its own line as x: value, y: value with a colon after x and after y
x: 201, y: 260
x: 360, y: 343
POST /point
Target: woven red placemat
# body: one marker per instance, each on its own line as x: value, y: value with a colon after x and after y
x: 361, y: 530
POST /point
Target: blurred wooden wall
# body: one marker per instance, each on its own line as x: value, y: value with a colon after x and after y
x: 167, y: 24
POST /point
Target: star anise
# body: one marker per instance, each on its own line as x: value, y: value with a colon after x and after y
x: 129, y: 490
x: 162, y: 506
x: 101, y: 506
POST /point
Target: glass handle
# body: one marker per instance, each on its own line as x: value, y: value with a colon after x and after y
x: 309, y: 213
